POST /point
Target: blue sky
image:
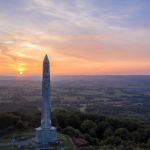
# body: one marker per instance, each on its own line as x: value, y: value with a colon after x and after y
x: 128, y: 14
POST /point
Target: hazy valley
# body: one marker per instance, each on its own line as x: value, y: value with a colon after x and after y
x: 127, y: 96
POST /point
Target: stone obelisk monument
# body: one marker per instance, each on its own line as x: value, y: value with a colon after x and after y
x: 46, y: 133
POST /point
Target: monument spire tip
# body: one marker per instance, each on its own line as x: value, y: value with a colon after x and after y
x: 46, y: 58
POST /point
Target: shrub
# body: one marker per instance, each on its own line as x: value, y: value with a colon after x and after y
x: 71, y: 131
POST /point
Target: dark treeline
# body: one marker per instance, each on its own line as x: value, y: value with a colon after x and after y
x: 103, y: 133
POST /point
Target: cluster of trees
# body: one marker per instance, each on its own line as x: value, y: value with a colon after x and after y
x: 16, y: 120
x: 105, y: 133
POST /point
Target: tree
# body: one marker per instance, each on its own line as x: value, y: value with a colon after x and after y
x: 102, y: 126
x: 148, y: 143
x: 92, y: 132
x: 108, y: 132
x: 113, y: 141
x: 71, y: 131
x: 90, y: 139
x: 122, y: 133
x: 8, y: 120
x: 62, y: 118
x: 74, y: 121
x: 138, y: 148
x: 20, y: 125
x: 87, y: 125
x: 136, y: 136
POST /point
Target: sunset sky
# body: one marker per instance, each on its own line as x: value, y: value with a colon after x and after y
x: 94, y: 37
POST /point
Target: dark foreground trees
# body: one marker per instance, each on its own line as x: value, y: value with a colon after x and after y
x: 104, y: 132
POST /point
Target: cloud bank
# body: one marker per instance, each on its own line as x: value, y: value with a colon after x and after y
x: 80, y: 36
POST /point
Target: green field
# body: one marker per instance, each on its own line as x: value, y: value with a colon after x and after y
x: 8, y: 148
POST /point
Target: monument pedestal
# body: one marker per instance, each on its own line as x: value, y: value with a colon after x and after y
x: 46, y: 135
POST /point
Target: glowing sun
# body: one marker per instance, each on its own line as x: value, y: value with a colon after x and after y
x: 21, y: 71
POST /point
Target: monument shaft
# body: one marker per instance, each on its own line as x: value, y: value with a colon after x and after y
x: 46, y: 112
x: 46, y: 133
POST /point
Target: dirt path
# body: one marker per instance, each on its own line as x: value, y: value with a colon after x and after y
x: 74, y: 147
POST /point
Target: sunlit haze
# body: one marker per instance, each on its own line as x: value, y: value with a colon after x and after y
x: 92, y: 37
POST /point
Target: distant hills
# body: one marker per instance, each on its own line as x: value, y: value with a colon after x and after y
x: 78, y: 77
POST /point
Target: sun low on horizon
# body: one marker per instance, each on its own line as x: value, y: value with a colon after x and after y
x: 21, y: 71
x: 95, y: 37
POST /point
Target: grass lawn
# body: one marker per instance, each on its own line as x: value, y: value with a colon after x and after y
x: 18, y: 134
x: 67, y: 142
x: 8, y: 148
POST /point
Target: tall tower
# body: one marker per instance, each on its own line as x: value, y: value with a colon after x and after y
x: 46, y: 133
x: 46, y: 109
